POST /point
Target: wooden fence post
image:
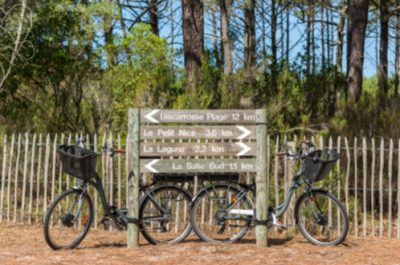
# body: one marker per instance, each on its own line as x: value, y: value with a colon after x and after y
x: 38, y: 178
x: 290, y: 221
x: 119, y: 173
x: 53, y: 168
x: 364, y: 150
x: 31, y: 178
x: 10, y: 178
x: 46, y: 173
x: 95, y: 191
x: 261, y: 179
x: 25, y: 172
x: 355, y: 217
x: 346, y: 188
x: 285, y: 173
x: 381, y: 165
x: 3, y: 177
x: 339, y: 183
x: 372, y: 188
x: 276, y: 180
x: 133, y: 149
x: 16, y: 178
x: 390, y: 163
x: 398, y: 190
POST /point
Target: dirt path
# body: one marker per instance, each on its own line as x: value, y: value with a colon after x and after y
x: 25, y: 245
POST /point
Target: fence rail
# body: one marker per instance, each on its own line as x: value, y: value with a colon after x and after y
x: 366, y: 179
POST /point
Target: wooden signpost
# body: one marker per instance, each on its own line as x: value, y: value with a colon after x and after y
x: 239, y: 140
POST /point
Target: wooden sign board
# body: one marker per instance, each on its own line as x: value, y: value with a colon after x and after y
x: 136, y: 151
x: 238, y: 132
x: 180, y: 166
x: 198, y: 116
x: 197, y: 149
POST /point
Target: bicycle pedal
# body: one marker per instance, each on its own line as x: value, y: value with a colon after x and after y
x: 276, y: 223
x: 105, y: 221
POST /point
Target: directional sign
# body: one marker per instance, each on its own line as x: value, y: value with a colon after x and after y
x: 197, y: 149
x: 197, y: 165
x: 238, y: 132
x: 198, y: 116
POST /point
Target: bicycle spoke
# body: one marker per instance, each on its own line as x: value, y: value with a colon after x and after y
x: 66, y: 225
x: 316, y: 223
x: 219, y: 224
x: 163, y: 215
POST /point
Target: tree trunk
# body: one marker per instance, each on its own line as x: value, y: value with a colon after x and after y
x: 225, y: 6
x: 109, y: 37
x: 339, y: 43
x: 215, y: 37
x: 287, y: 34
x: 328, y: 33
x: 397, y: 55
x: 358, y: 18
x: 124, y: 34
x: 274, y: 63
x: 249, y: 36
x: 153, y: 16
x: 383, y: 48
x: 313, y: 37
x: 282, y: 32
x: 193, y: 39
x: 308, y: 38
x: 323, y: 35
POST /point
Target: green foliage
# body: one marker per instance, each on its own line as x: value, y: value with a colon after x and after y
x: 68, y: 84
x: 205, y: 94
x: 373, y: 115
x: 144, y: 83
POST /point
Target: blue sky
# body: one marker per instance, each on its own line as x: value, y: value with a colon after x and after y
x: 297, y: 37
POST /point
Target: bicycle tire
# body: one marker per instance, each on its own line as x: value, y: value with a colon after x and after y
x: 321, y: 219
x: 160, y: 237
x: 196, y: 225
x: 66, y: 222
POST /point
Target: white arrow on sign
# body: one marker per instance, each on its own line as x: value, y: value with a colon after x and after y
x: 246, y: 132
x: 150, y: 117
x: 150, y: 165
x: 245, y: 149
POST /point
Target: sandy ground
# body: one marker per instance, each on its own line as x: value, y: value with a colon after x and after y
x: 25, y: 245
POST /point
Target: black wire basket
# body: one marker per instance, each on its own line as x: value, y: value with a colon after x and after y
x: 319, y: 163
x: 78, y: 162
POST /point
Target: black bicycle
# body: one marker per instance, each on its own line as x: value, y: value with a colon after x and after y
x: 319, y: 215
x: 164, y: 209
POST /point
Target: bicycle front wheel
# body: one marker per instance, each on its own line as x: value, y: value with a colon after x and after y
x: 321, y: 218
x: 165, y: 214
x: 220, y: 215
x: 68, y: 219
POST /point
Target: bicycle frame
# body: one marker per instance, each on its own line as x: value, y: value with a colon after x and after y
x: 296, y: 182
x: 281, y: 208
x: 97, y: 184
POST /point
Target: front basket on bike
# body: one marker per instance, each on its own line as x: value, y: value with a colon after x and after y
x: 319, y: 163
x: 77, y: 161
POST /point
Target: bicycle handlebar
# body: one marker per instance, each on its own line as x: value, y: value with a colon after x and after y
x: 112, y: 151
x: 300, y: 155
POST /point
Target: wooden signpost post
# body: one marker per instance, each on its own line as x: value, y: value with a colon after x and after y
x: 239, y: 140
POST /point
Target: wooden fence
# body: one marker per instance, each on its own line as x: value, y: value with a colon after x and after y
x: 366, y: 179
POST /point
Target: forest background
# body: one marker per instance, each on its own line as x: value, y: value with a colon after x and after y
x: 77, y: 66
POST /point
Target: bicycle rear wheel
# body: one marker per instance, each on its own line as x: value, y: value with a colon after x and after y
x: 68, y: 219
x: 165, y: 214
x: 211, y: 219
x: 321, y: 218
